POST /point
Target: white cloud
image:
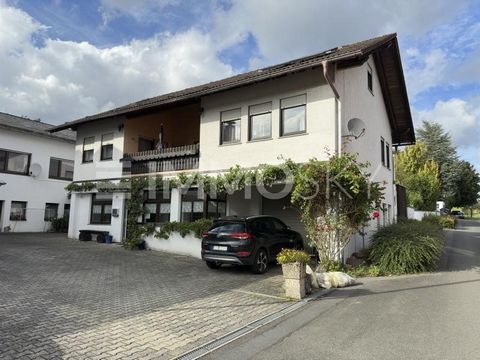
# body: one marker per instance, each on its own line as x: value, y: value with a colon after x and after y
x: 64, y: 80
x: 425, y: 70
x: 141, y: 10
x: 459, y: 117
x: 286, y: 29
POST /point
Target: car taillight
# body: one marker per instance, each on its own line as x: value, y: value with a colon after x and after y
x: 240, y: 236
x: 204, y: 234
x: 243, y: 253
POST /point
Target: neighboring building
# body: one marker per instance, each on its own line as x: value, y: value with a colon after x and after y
x: 293, y: 110
x: 35, y: 167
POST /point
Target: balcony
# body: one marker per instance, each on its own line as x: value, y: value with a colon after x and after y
x: 170, y: 159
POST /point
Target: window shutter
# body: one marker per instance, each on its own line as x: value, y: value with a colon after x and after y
x: 260, y: 108
x: 293, y: 101
x: 229, y: 115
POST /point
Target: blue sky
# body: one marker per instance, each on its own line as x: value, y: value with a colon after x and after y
x: 66, y: 59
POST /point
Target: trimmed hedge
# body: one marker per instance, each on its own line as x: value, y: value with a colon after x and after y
x: 447, y: 222
x: 197, y: 227
x: 407, y: 247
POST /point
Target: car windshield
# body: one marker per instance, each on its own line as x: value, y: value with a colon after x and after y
x: 455, y: 212
x: 227, y: 227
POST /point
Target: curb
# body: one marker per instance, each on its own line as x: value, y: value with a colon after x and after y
x: 213, y: 345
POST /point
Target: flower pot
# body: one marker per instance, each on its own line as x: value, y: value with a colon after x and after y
x: 294, y: 275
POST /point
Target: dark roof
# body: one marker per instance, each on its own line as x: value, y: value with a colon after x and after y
x: 347, y: 55
x: 34, y: 127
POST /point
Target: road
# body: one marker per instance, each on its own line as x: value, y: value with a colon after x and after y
x: 428, y: 316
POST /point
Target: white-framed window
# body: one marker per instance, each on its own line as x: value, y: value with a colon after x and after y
x: 230, y: 126
x: 293, y: 113
x: 260, y: 121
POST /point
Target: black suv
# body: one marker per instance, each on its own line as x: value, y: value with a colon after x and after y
x: 253, y: 241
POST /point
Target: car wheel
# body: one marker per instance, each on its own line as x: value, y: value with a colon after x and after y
x: 260, y: 264
x: 213, y: 265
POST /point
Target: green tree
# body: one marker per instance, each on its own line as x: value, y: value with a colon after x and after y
x: 441, y: 150
x: 335, y: 199
x: 468, y: 186
x: 419, y: 175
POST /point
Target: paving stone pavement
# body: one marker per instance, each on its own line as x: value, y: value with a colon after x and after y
x: 66, y: 299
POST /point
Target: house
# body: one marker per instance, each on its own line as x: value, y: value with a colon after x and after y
x: 292, y: 110
x: 35, y: 167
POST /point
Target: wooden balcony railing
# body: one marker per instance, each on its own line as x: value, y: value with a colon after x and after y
x: 165, y: 160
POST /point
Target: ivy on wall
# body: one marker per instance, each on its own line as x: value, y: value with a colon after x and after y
x: 236, y: 178
x: 334, y: 197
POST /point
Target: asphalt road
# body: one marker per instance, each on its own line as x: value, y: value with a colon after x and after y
x: 431, y: 316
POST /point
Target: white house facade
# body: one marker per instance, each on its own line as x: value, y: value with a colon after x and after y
x: 297, y: 110
x: 35, y: 167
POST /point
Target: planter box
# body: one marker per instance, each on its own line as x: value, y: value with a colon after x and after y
x: 294, y: 275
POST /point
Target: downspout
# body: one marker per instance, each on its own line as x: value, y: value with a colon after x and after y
x: 338, y: 124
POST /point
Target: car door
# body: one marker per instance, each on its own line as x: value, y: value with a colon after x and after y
x: 281, y: 238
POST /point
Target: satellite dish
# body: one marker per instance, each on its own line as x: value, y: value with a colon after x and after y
x: 35, y: 170
x: 356, y: 128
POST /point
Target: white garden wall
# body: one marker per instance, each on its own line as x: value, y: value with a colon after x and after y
x: 176, y: 244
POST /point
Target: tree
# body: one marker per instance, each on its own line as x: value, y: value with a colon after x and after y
x: 419, y: 175
x: 441, y: 150
x: 468, y: 186
x: 335, y: 199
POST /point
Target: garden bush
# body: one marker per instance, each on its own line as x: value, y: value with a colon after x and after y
x: 197, y: 227
x: 447, y: 222
x: 332, y: 265
x: 364, y: 271
x: 407, y: 247
x: 60, y: 224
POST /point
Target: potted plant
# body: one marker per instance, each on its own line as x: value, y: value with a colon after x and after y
x: 294, y: 271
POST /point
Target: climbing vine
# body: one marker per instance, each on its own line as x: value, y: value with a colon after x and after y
x: 335, y: 197
x: 135, y: 209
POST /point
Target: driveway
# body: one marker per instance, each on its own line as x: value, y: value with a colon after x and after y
x: 427, y: 316
x: 65, y: 299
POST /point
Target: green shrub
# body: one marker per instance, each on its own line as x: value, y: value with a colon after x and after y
x: 447, y: 222
x: 287, y: 256
x: 364, y: 271
x: 197, y: 227
x: 407, y: 247
x: 60, y: 224
x: 332, y: 265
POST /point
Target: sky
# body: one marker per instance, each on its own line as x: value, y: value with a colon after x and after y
x: 61, y: 60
